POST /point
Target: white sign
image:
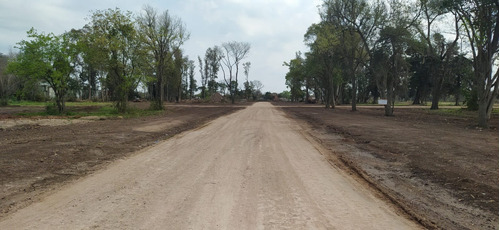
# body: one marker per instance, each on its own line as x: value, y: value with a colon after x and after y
x: 382, y: 101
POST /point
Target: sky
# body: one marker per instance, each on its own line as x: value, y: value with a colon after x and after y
x: 274, y: 28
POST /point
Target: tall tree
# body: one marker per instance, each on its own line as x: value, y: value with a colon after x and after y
x: 213, y: 57
x: 248, y: 86
x: 257, y: 86
x: 117, y: 50
x: 359, y: 21
x: 234, y: 53
x: 324, y: 58
x: 46, y: 57
x: 479, y: 19
x: 192, y: 81
x: 8, y: 82
x: 420, y: 82
x: 438, y: 52
x: 204, y: 76
x: 175, y: 78
x: 394, y: 39
x: 86, y: 75
x: 163, y: 35
x: 295, y: 77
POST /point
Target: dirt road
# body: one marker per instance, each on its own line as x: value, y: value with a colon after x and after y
x: 248, y: 170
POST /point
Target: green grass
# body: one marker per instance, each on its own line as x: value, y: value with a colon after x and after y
x: 69, y: 104
x: 27, y: 103
x: 88, y: 103
x: 76, y: 109
x: 457, y: 112
x: 494, y: 111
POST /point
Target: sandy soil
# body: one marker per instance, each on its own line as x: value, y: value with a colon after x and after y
x: 439, y: 168
x: 252, y: 169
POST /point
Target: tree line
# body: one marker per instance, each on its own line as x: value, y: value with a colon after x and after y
x: 115, y: 54
x: 363, y: 50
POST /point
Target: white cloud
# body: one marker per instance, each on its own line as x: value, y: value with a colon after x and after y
x: 254, y: 26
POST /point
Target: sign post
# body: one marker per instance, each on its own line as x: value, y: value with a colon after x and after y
x: 382, y: 101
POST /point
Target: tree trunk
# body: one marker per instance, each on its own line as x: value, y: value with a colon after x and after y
x: 307, y: 92
x: 417, y: 100
x: 389, y: 108
x: 179, y: 92
x: 483, y: 115
x: 436, y: 92
x: 157, y: 103
x: 435, y: 101
x: 327, y: 99
x: 59, y: 102
x: 332, y: 98
x: 486, y: 100
x: 354, y: 93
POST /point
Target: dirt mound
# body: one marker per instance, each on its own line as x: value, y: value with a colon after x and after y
x: 216, y: 98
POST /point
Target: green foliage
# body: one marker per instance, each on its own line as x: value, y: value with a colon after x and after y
x: 9, y: 83
x: 68, y: 104
x: 51, y: 109
x: 115, y: 50
x: 192, y: 81
x: 107, y: 58
x: 285, y: 94
x: 46, y: 58
x: 471, y: 100
x: 213, y: 57
x: 4, y: 102
x: 268, y: 96
x: 103, y: 110
x: 162, y: 35
x: 295, y: 77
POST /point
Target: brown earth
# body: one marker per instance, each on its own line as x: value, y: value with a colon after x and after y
x: 41, y: 154
x: 253, y: 169
x: 440, y: 168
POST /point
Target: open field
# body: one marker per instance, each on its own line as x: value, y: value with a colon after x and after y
x: 40, y: 153
x: 436, y: 164
x: 252, y: 169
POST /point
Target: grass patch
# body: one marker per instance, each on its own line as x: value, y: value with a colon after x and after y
x: 28, y: 103
x: 88, y: 103
x: 110, y: 111
x: 494, y: 111
x: 91, y: 109
x: 68, y: 104
x: 459, y: 112
x: 456, y: 112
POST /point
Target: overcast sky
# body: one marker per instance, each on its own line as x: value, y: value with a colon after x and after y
x: 274, y: 28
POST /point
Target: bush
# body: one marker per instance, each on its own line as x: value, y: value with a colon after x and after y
x: 4, y: 101
x: 471, y: 100
x: 51, y: 109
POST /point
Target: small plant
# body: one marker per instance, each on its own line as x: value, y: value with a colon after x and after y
x: 51, y: 109
x: 4, y: 102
